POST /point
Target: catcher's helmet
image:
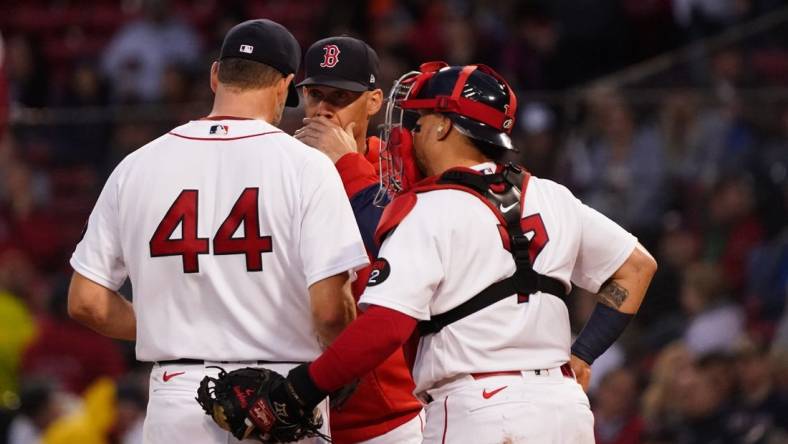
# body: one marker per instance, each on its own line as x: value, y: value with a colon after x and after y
x: 477, y: 99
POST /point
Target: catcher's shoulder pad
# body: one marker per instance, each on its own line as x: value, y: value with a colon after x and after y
x: 396, y: 211
x: 393, y: 214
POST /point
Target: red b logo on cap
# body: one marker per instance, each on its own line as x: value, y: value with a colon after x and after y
x: 331, y: 56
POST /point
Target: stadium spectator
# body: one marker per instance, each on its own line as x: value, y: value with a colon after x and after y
x: 137, y: 57
x: 618, y: 167
x: 67, y: 353
x: 759, y: 396
x: 39, y: 406
x: 732, y: 228
x: 714, y: 323
x: 27, y: 71
x: 616, y: 420
x: 660, y: 405
x: 25, y: 211
x: 86, y: 142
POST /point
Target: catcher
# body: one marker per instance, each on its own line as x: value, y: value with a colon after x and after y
x: 474, y: 266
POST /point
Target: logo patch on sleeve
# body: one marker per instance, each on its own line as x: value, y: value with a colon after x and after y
x: 379, y: 273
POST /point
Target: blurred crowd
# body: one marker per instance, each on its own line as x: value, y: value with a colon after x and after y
x: 693, y: 159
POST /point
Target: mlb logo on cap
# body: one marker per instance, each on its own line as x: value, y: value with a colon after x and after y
x: 246, y: 48
x: 220, y: 129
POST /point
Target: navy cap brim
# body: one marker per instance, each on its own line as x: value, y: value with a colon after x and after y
x: 292, y: 96
x: 334, y: 82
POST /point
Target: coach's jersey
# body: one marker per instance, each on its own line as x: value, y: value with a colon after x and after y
x: 221, y: 226
x: 448, y: 249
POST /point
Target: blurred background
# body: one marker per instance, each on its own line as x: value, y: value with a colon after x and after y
x: 670, y: 116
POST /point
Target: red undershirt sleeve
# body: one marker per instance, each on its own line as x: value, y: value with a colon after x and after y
x: 356, y: 172
x: 361, y: 347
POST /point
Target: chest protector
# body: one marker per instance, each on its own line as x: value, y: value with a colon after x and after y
x: 504, y: 193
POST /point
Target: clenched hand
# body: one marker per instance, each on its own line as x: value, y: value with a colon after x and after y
x: 328, y: 137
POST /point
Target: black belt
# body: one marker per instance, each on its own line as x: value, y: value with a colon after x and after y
x: 189, y: 361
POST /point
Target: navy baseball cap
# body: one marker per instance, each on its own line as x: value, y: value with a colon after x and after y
x: 341, y: 62
x: 268, y: 42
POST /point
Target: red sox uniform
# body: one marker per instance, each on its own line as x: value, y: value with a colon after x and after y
x: 474, y: 265
x: 382, y: 409
x: 470, y: 371
x: 221, y: 226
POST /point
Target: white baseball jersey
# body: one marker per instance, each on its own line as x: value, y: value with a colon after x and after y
x: 448, y: 249
x: 221, y: 226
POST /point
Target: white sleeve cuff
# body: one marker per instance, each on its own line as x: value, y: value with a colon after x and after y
x: 94, y: 276
x: 366, y: 301
x: 351, y: 265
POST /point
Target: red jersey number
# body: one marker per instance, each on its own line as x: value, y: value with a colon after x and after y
x: 251, y: 244
x: 184, y: 212
x: 534, y: 229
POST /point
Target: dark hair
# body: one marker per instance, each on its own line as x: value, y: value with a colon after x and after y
x: 490, y: 151
x: 247, y: 74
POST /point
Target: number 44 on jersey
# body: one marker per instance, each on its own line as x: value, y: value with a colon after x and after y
x: 183, y: 212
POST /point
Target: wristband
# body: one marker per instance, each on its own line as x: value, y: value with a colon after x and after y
x: 304, y: 389
x: 600, y: 332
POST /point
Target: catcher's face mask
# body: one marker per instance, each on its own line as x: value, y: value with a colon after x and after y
x: 398, y: 171
x: 413, y: 93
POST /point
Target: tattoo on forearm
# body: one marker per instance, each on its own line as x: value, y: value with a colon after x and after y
x: 612, y: 294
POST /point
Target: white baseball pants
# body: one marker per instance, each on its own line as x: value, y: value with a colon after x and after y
x: 521, y: 408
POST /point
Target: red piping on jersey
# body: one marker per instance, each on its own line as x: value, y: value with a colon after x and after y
x: 226, y: 118
x: 223, y: 139
x: 445, y: 418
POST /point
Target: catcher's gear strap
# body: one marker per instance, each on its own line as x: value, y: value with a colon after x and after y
x: 504, y: 189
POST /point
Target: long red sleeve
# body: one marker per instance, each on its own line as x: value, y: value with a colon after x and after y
x: 356, y: 172
x: 367, y: 342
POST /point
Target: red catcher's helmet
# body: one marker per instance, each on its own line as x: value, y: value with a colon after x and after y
x: 475, y: 97
x: 480, y: 103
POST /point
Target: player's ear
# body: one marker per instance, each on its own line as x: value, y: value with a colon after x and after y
x: 443, y: 127
x: 214, y: 76
x: 374, y: 101
x: 284, y: 84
